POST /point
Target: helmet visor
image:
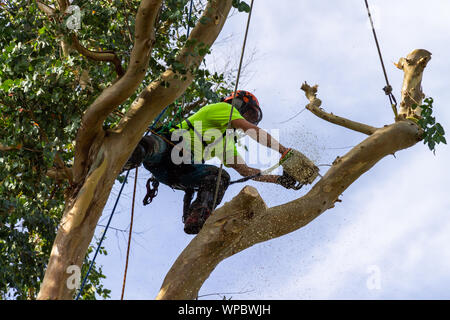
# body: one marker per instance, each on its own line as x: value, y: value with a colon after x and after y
x: 253, y: 115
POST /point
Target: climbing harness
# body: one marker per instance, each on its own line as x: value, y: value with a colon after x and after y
x: 129, y: 235
x: 388, y: 88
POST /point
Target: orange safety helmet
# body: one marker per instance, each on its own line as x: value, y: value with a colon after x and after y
x: 245, y: 101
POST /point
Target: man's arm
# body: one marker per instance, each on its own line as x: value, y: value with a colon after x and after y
x: 244, y: 170
x: 259, y: 135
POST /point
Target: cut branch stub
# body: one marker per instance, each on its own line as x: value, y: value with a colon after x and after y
x: 314, y: 107
x: 413, y: 66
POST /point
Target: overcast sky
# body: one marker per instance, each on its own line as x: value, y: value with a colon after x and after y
x: 388, y: 239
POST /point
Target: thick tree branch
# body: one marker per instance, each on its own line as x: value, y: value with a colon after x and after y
x: 59, y: 174
x: 113, y: 96
x: 171, y: 84
x: 109, y: 56
x: 314, y: 107
x: 54, y: 284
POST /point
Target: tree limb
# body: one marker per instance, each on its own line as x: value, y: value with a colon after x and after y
x: 49, y: 11
x: 171, y: 84
x: 314, y: 107
x: 8, y: 148
x: 59, y: 174
x: 109, y: 56
x: 113, y: 96
x: 63, y: 5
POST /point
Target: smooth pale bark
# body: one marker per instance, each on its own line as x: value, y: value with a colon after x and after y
x: 246, y: 220
x: 92, y: 120
x: 413, y: 66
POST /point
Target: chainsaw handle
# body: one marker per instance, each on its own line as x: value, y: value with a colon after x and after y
x: 285, y: 155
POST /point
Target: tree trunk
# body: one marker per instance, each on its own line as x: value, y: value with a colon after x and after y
x: 76, y: 229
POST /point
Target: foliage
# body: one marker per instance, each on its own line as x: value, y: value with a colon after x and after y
x: 241, y: 6
x: 42, y: 99
x: 433, y: 131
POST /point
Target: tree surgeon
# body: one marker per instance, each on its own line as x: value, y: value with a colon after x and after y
x: 161, y: 156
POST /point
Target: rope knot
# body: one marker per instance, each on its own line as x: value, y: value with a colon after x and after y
x: 388, y: 90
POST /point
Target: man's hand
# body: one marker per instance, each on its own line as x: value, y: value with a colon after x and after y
x: 288, y: 182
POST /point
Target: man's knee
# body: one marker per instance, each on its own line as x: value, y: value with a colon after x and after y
x: 145, y: 146
x: 213, y: 173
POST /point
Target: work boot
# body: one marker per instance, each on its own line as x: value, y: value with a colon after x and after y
x: 188, y: 195
x: 202, y: 207
x: 195, y: 220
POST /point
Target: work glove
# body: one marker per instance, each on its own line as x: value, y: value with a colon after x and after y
x: 288, y: 182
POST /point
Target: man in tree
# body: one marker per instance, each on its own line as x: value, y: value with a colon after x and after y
x: 160, y: 155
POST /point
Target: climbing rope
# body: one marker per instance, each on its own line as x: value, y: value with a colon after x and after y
x: 219, y: 176
x: 129, y: 235
x: 388, y: 88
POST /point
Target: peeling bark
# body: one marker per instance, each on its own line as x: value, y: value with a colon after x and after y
x: 413, y: 66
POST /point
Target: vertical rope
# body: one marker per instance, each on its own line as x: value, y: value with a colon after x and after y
x: 388, y: 88
x: 129, y: 235
x: 219, y: 176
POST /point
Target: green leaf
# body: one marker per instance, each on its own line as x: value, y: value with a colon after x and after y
x: 6, y: 85
x: 440, y: 129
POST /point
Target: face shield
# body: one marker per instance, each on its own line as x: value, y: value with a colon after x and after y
x: 252, y: 114
x: 247, y: 105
